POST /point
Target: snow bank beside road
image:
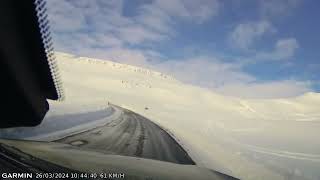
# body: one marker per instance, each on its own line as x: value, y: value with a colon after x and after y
x: 57, y: 126
x: 81, y: 122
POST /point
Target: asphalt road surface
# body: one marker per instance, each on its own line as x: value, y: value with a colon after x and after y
x: 131, y: 135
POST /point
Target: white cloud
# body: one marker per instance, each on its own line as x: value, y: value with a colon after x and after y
x: 98, y: 19
x: 154, y: 23
x: 162, y: 15
x: 284, y: 49
x: 155, y: 19
x: 108, y: 40
x: 135, y: 34
x: 64, y: 17
x: 197, y: 11
x: 244, y: 35
x: 277, y: 8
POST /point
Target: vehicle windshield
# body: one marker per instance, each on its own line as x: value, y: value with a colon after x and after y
x: 227, y: 86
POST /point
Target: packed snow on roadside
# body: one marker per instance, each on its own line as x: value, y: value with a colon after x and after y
x: 246, y: 138
x: 56, y: 126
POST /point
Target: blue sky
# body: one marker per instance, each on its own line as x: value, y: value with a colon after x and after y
x: 253, y: 48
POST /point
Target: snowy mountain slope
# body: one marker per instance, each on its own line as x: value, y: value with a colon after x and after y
x: 250, y: 139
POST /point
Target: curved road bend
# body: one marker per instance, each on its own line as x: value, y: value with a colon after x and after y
x: 131, y: 135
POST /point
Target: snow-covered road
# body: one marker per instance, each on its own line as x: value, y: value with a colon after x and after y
x: 130, y: 135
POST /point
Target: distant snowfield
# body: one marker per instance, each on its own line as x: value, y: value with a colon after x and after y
x: 249, y: 139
